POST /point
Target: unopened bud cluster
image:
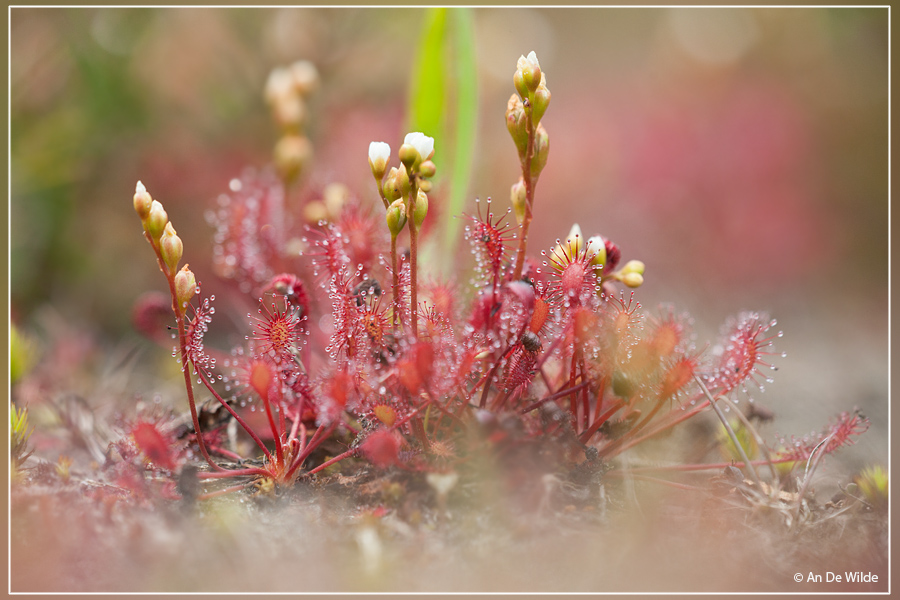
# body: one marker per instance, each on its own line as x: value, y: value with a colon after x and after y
x: 161, y: 234
x: 286, y: 92
x: 395, y: 185
x: 523, y: 120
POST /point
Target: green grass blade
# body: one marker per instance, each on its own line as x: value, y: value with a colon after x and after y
x: 466, y: 124
x: 426, y: 99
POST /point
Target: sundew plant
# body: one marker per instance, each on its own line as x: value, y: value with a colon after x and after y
x: 545, y: 347
x: 405, y: 360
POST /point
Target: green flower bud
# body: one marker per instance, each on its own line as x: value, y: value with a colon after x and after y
x: 171, y: 247
x: 427, y: 169
x: 540, y: 104
x: 142, y: 201
x: 156, y: 220
x: 391, y: 186
x: 420, y: 209
x: 425, y: 185
x: 530, y: 69
x: 517, y: 197
x: 408, y: 155
x: 632, y: 280
x: 519, y: 83
x: 541, y: 151
x: 515, y: 123
x: 633, y: 266
x: 403, y: 182
x: 396, y: 217
x: 185, y: 288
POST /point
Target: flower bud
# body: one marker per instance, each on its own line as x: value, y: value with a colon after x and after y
x: 633, y: 266
x: 427, y: 169
x: 278, y: 85
x: 597, y: 245
x: 170, y: 247
x: 575, y: 239
x: 142, y: 201
x: 291, y: 154
x: 540, y: 104
x: 425, y: 185
x: 396, y: 217
x: 156, y: 220
x: 185, y: 288
x: 573, y: 243
x: 517, y: 197
x: 391, y: 186
x: 519, y: 83
x: 423, y: 144
x: 379, y: 155
x: 305, y: 77
x: 420, y: 209
x: 541, y: 151
x: 632, y: 280
x: 531, y: 71
x: 515, y: 123
x: 408, y: 155
x: 289, y: 112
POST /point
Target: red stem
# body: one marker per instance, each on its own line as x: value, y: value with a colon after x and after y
x: 314, y: 442
x: 331, y: 461
x: 413, y: 255
x: 237, y: 417
x: 182, y: 343
x: 603, y: 418
x: 395, y: 284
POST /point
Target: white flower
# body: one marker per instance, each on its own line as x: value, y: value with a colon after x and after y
x: 379, y: 151
x: 423, y: 144
x: 530, y: 61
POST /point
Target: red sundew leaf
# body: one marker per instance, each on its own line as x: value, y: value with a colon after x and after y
x: 382, y: 448
x: 838, y: 435
x: 154, y: 445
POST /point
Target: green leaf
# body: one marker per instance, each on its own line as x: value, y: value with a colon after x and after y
x: 426, y: 101
x: 466, y: 124
x: 444, y: 105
